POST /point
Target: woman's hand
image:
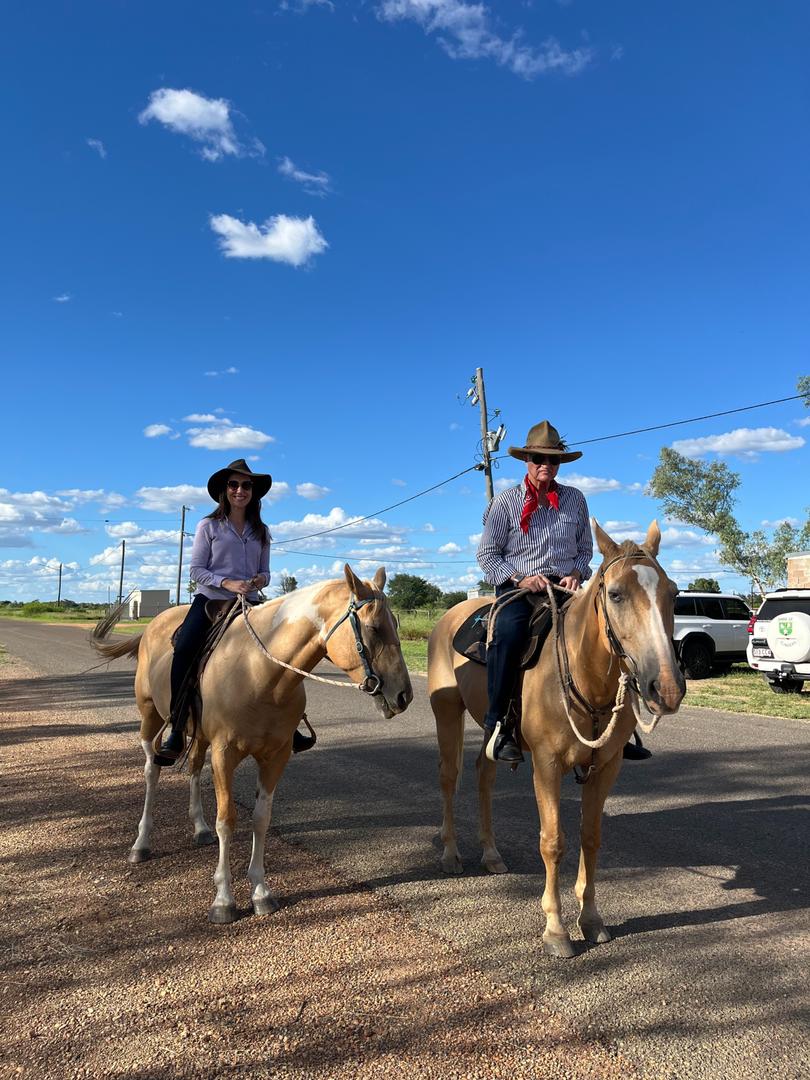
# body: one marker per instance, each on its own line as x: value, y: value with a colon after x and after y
x: 241, y: 588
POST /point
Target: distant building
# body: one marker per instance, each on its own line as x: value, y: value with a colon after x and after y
x: 798, y: 570
x: 144, y: 603
x: 475, y: 594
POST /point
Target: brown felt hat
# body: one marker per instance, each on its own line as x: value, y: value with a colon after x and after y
x: 262, y: 482
x: 544, y: 439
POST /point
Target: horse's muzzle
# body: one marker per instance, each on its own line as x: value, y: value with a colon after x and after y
x: 663, y: 695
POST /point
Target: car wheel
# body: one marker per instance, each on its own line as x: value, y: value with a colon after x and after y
x: 786, y: 686
x: 697, y: 659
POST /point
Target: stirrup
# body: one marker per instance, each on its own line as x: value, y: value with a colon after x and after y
x: 489, y: 750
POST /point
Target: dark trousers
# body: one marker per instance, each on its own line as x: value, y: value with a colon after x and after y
x: 505, y: 652
x: 190, y: 640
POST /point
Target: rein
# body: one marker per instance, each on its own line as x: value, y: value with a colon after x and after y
x: 371, y: 680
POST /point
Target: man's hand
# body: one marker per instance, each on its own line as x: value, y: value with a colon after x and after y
x: 534, y: 583
x: 571, y: 582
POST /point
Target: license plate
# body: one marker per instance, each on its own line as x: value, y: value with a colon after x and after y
x: 764, y: 653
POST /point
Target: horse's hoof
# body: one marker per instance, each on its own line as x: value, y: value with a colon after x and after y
x: 204, y: 839
x: 139, y: 855
x: 222, y: 914
x: 495, y: 866
x: 595, y: 933
x: 266, y: 905
x: 559, y: 946
x: 452, y: 864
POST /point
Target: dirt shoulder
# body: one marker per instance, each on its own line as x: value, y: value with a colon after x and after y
x: 113, y: 971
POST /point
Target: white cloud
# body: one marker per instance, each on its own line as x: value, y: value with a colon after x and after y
x: 684, y: 538
x: 98, y: 146
x: 25, y: 512
x: 205, y: 120
x: 455, y: 427
x: 504, y: 482
x: 591, y: 485
x: 201, y: 418
x: 62, y: 298
x: 781, y: 521
x: 353, y: 526
x: 399, y: 483
x: 465, y: 32
x: 428, y: 528
x: 153, y: 431
x: 308, y: 490
x: 97, y: 495
x: 134, y: 534
x: 475, y: 539
x: 228, y: 436
x: 281, y: 238
x: 313, y: 183
x: 746, y: 442
x: 449, y: 549
x: 213, y: 375
x: 168, y: 500
x: 67, y: 527
x: 279, y: 489
x: 804, y: 422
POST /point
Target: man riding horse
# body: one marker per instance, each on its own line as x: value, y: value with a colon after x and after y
x: 535, y: 534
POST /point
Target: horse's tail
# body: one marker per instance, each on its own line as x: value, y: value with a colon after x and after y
x: 114, y: 650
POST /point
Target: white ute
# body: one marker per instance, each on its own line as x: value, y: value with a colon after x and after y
x: 779, y: 642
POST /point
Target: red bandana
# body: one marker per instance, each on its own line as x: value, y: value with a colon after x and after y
x: 531, y: 502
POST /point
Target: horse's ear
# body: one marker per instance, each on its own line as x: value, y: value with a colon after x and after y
x: 607, y: 546
x: 353, y: 581
x: 378, y: 580
x: 653, y: 541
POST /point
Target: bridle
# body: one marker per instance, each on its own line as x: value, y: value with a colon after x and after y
x: 372, y: 684
x: 569, y: 688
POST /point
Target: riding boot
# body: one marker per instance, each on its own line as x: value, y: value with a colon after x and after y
x: 500, y: 744
x: 636, y: 751
x: 173, y: 747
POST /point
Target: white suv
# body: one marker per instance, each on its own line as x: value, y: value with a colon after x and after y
x: 711, y: 632
x: 779, y: 645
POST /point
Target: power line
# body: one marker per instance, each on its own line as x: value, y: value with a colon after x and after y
x: 376, y: 513
x: 691, y: 420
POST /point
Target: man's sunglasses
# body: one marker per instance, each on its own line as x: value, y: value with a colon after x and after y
x: 543, y: 459
x: 234, y: 485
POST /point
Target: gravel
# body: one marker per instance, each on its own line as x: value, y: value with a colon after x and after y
x: 113, y: 971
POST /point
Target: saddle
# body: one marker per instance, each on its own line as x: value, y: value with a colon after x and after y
x: 470, y: 639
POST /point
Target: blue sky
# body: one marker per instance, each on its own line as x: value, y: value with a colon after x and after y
x: 291, y: 231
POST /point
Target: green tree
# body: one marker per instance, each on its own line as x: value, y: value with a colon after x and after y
x: 704, y: 584
x: 702, y: 494
x: 450, y: 599
x: 287, y: 583
x: 409, y: 591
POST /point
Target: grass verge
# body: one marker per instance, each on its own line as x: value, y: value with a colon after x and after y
x: 745, y: 691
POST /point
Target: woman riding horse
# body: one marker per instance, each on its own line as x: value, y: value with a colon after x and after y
x: 230, y: 558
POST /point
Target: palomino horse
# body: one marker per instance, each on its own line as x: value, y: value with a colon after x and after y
x: 252, y: 706
x: 622, y: 621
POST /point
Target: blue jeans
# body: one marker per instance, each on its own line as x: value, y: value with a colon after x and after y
x: 505, y: 652
x: 190, y: 639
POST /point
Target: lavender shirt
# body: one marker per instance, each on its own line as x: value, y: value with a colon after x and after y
x: 219, y: 552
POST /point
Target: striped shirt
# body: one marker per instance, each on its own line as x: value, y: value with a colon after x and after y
x: 558, y: 541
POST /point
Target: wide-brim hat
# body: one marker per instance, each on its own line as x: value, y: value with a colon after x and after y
x: 262, y: 482
x: 544, y: 439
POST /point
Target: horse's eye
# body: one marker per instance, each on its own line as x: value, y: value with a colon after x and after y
x: 615, y: 596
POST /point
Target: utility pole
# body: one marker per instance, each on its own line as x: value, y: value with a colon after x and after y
x: 180, y: 560
x: 59, y: 590
x: 121, y: 579
x: 490, y: 440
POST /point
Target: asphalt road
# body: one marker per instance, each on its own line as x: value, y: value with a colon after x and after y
x: 704, y: 869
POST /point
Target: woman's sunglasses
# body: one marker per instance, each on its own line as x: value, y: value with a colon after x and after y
x: 543, y: 459
x: 234, y: 485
